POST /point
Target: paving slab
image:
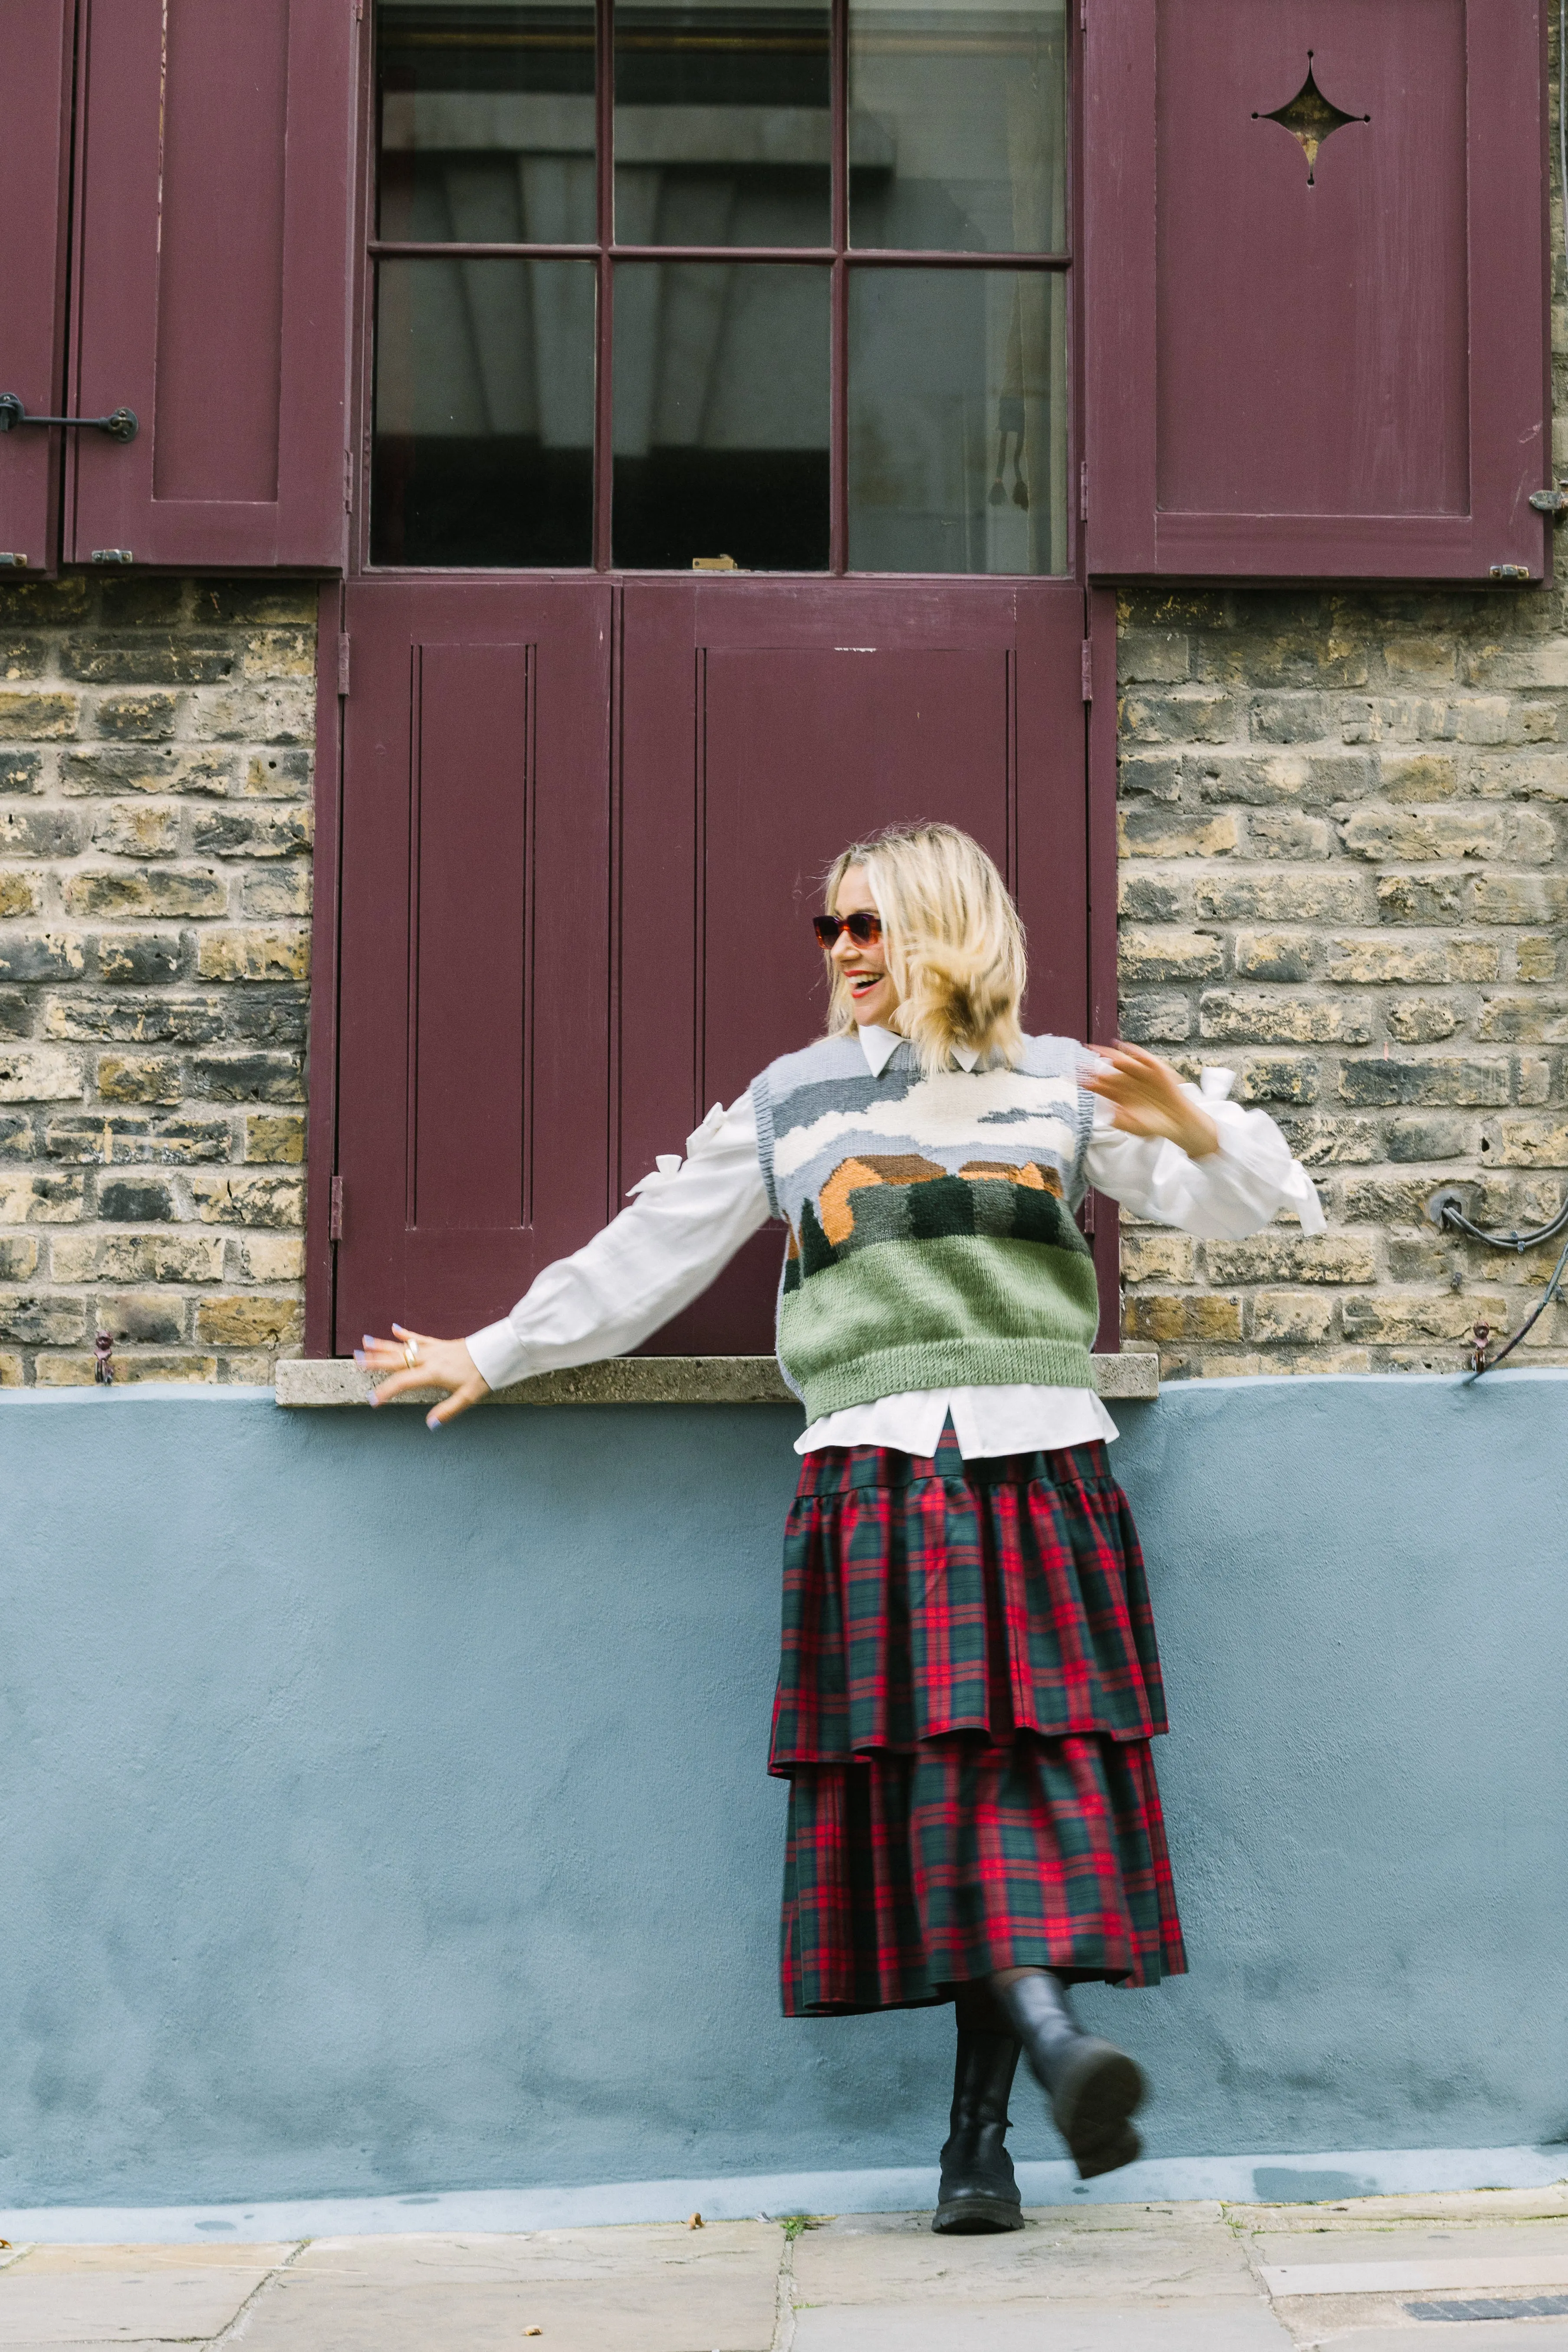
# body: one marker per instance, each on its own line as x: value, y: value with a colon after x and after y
x: 218, y: 2256
x: 1450, y: 2335
x: 1117, y: 2254
x: 1468, y: 2257
x: 1442, y: 2208
x: 118, y: 2304
x: 689, y: 2313
x: 1194, y: 2325
x: 743, y: 2251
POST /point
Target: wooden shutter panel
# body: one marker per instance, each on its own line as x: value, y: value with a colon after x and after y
x: 473, y: 953
x: 1331, y: 364
x: 213, y: 265
x: 35, y: 108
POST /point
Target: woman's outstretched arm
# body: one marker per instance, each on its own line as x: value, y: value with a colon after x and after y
x: 1185, y: 1156
x: 685, y: 1223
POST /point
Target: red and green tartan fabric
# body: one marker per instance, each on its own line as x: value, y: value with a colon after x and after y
x: 968, y: 1686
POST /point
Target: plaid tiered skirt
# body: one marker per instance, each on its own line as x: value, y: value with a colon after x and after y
x: 967, y: 1691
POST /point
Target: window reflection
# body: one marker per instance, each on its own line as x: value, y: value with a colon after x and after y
x: 720, y: 415
x: 483, y: 449
x: 723, y: 123
x: 486, y: 115
x: 960, y: 115
x: 957, y: 421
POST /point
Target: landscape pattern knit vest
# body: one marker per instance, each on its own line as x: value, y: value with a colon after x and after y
x: 931, y: 1240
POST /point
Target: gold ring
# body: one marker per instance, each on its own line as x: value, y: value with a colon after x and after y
x: 410, y: 1354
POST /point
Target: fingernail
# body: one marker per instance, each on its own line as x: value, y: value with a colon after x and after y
x: 361, y: 1358
x: 375, y: 1396
x: 431, y: 1421
x: 368, y: 1339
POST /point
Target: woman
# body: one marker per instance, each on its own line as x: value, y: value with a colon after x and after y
x: 969, y: 1682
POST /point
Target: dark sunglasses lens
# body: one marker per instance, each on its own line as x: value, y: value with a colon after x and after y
x: 863, y: 926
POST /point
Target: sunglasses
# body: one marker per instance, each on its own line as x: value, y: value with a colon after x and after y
x: 864, y: 927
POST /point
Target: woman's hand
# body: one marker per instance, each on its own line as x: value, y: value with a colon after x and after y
x: 435, y: 1364
x: 1148, y: 1099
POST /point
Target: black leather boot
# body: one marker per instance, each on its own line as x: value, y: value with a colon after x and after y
x: 1093, y: 2087
x: 978, y: 2193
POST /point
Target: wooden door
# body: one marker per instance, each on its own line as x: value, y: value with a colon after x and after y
x: 474, y: 1031
x: 766, y: 724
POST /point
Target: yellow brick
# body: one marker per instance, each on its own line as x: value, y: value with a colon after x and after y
x: 1156, y: 1257
x: 261, y: 954
x: 10, y: 1370
x: 20, y: 894
x: 273, y: 1137
x: 250, y: 1322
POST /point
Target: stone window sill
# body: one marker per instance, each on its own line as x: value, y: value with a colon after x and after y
x: 644, y: 1380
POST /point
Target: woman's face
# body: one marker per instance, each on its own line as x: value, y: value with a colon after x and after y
x: 871, y: 993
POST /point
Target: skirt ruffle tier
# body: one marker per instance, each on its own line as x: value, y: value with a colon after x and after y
x: 968, y: 1686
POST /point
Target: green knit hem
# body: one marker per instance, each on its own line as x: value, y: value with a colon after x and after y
x: 945, y: 1364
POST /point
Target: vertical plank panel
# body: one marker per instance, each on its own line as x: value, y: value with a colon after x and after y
x: 474, y: 992
x: 220, y: 274
x: 469, y: 894
x: 213, y: 274
x: 35, y: 101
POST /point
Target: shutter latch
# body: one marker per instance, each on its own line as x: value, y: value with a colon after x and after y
x: 1551, y: 502
x: 120, y: 425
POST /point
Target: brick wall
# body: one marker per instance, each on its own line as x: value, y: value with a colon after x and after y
x: 1343, y: 824
x: 1343, y: 874
x: 154, y: 894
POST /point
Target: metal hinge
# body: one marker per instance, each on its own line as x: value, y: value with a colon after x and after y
x: 12, y: 562
x: 342, y: 664
x: 1083, y: 490
x: 348, y: 481
x: 1088, y: 671
x: 335, y: 1212
x: 1510, y: 572
x: 112, y: 555
x: 1551, y: 502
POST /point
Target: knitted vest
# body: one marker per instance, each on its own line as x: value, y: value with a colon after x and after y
x: 931, y: 1243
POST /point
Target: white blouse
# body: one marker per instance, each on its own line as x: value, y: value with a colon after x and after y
x: 689, y: 1218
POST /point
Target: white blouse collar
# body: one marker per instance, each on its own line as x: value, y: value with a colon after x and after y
x: 880, y: 1045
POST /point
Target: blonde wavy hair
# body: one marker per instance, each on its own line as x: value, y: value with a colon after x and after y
x: 953, y: 942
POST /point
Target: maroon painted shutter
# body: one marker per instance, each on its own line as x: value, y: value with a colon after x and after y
x: 1330, y: 365
x: 213, y: 268
x: 35, y: 109
x: 764, y: 727
x: 474, y: 1022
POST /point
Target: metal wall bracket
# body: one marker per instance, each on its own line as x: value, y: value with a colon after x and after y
x: 1550, y: 502
x: 119, y: 425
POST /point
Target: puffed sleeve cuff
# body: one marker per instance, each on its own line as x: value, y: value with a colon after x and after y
x: 1254, y: 1161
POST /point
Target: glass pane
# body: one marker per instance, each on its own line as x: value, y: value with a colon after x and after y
x: 724, y: 128
x: 957, y: 420
x: 486, y: 116
x: 720, y: 415
x: 484, y: 414
x: 958, y: 126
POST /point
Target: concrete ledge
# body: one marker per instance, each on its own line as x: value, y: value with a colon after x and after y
x: 642, y: 1379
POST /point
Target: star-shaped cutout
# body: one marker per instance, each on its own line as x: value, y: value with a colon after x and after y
x: 1311, y: 118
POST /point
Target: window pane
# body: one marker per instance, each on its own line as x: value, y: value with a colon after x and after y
x: 720, y: 415
x: 722, y: 123
x: 957, y: 420
x: 484, y: 414
x: 958, y: 126
x: 486, y: 116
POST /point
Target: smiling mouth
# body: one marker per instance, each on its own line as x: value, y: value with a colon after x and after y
x: 861, y: 984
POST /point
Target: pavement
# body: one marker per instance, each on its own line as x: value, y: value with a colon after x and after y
x: 1481, y: 2272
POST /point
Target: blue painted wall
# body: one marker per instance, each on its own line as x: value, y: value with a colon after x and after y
x: 384, y: 1811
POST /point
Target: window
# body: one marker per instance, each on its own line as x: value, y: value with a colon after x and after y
x: 780, y: 286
